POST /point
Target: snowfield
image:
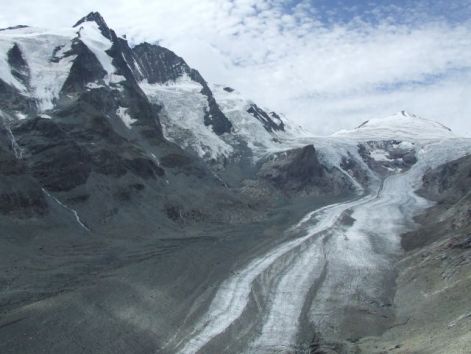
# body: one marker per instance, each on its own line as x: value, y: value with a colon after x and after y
x: 400, y: 126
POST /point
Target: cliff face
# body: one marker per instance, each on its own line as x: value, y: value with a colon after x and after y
x: 300, y: 171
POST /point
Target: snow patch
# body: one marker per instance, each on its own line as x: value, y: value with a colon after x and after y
x: 405, y: 145
x: 94, y: 85
x: 380, y: 155
x: 20, y: 115
x: 125, y: 117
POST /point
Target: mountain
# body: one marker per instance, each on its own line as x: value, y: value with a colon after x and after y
x: 402, y: 125
x: 144, y: 209
x: 44, y: 72
x: 81, y: 109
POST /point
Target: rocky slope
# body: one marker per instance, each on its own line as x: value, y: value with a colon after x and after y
x: 433, y: 306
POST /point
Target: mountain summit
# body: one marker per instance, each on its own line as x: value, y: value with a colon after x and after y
x: 99, y: 20
x: 402, y: 125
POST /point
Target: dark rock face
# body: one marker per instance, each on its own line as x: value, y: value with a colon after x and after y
x: 460, y: 243
x: 86, y: 68
x: 265, y: 118
x: 432, y: 287
x: 449, y: 186
x: 175, y: 160
x: 62, y: 158
x: 13, y: 27
x: 213, y: 116
x: 18, y: 65
x: 299, y: 170
x: 181, y: 163
x: 450, y: 182
x: 55, y: 159
x: 158, y: 64
x: 22, y: 203
x: 12, y: 100
x: 353, y: 168
x: 179, y: 214
x: 20, y: 196
x: 21, y: 199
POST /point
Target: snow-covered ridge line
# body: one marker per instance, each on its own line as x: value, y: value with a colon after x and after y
x: 247, y: 127
x: 402, y: 125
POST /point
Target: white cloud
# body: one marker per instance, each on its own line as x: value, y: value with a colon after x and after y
x: 327, y: 77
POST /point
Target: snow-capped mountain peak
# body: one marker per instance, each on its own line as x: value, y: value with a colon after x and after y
x: 99, y: 20
x: 44, y: 71
x: 400, y: 126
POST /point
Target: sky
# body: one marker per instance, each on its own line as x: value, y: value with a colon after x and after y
x: 325, y: 64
